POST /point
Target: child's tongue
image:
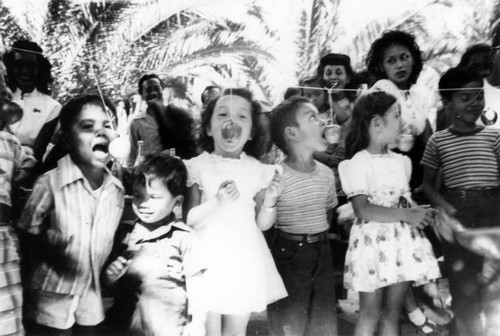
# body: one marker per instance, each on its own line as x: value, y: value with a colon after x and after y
x: 100, y: 151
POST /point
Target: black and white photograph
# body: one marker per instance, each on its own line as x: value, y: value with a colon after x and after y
x: 249, y: 168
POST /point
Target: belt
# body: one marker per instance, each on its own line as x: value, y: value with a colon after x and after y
x: 309, y: 238
x: 472, y: 192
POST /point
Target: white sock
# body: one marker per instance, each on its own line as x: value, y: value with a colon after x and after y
x: 417, y: 317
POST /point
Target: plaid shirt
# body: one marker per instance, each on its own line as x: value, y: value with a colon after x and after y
x: 78, y: 227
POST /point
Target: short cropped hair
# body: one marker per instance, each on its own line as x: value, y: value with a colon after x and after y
x: 170, y: 170
x: 456, y: 78
x: 145, y: 78
x: 282, y: 116
x: 73, y: 107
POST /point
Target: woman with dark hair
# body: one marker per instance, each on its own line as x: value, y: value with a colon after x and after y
x: 29, y: 78
x: 395, y: 61
x: 335, y: 73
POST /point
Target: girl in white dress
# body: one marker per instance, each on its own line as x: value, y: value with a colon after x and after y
x: 387, y: 248
x: 229, y: 198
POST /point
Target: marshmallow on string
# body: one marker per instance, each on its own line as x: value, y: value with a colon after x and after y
x: 119, y: 147
x: 231, y: 130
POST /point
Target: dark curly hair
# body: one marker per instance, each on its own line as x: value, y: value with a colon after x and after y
x: 254, y: 146
x: 367, y: 106
x: 44, y: 78
x: 375, y: 56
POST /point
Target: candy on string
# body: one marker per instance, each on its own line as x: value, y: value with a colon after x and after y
x: 331, y: 133
x: 489, y: 116
x: 119, y: 147
x: 330, y: 99
x: 231, y: 130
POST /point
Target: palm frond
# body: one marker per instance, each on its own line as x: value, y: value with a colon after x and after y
x: 316, y: 34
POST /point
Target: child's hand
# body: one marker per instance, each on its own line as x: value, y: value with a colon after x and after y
x: 116, y: 269
x: 421, y: 216
x: 448, y: 209
x: 228, y: 191
x: 273, y: 191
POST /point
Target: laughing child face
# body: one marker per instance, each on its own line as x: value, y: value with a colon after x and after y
x: 233, y: 110
x: 90, y: 136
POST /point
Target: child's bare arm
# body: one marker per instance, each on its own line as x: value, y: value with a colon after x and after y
x: 196, y: 212
x: 420, y: 216
x: 266, y: 202
x: 430, y: 190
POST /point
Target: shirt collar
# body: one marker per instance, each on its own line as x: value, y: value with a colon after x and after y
x: 18, y: 93
x: 72, y: 173
x: 144, y: 235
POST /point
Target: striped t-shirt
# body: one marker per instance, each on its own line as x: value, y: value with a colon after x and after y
x: 468, y: 160
x: 306, y: 197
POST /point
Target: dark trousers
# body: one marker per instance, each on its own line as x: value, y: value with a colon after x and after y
x: 307, y: 271
x: 34, y: 329
x: 470, y: 293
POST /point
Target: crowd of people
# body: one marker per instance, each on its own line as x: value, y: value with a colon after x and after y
x: 234, y: 213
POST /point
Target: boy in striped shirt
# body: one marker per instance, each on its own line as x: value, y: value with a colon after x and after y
x: 468, y: 156
x: 303, y: 213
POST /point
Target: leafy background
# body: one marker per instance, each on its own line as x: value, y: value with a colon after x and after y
x: 266, y: 45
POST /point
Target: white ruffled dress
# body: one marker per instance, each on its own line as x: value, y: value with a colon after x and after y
x: 241, y: 276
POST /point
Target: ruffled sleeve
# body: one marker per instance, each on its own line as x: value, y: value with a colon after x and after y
x: 193, y: 171
x: 354, y: 176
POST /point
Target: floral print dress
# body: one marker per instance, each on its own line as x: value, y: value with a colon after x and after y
x: 382, y: 254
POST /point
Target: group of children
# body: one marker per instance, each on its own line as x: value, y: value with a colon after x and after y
x: 206, y: 275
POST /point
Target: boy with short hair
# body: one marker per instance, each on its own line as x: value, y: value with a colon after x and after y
x: 72, y: 215
x: 156, y: 291
x: 468, y: 155
x: 303, y: 211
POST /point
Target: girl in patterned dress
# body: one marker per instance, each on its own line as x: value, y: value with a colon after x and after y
x: 387, y: 248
